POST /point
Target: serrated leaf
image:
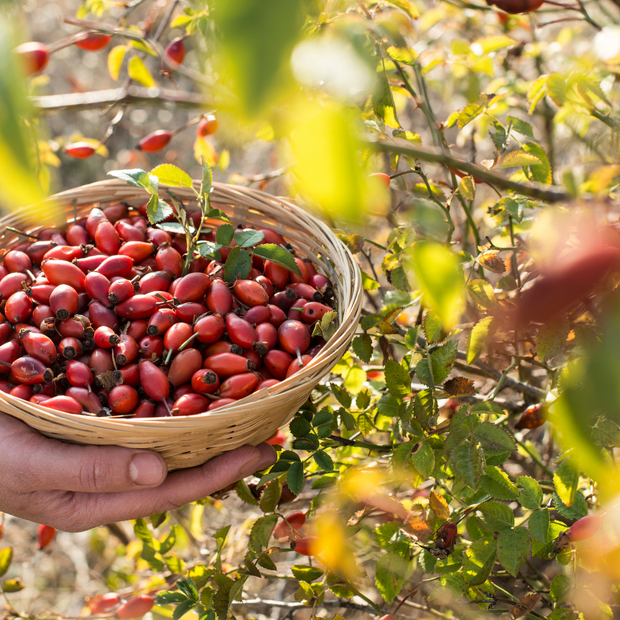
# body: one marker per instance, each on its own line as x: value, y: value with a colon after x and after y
x: 468, y: 461
x: 411, y: 337
x: 498, y: 485
x: 441, y: 360
x: 247, y: 238
x: 520, y: 126
x: 494, y: 437
x: 397, y: 379
x: 541, y: 173
x: 566, y: 481
x: 478, y: 339
x: 115, y: 60
x: 238, y: 265
x: 261, y: 532
x: 225, y: 234
x: 482, y: 293
x: 439, y: 506
x: 300, y: 427
x: 171, y: 175
x: 398, y: 279
x: 459, y: 386
x: 6, y: 557
x: 389, y: 576
x: 138, y: 72
x: 271, y: 496
x: 425, y: 407
x: 478, y: 560
x: 407, y: 56
x: 390, y: 406
x: 468, y: 114
x: 342, y: 396
x: 433, y: 329
x: 136, y: 178
x: 295, y: 478
x: 519, y: 158
x: 536, y: 92
x: 365, y: 424
x: 368, y: 283
x: 556, y: 89
x: 531, y: 496
x: 323, y: 460
x: 467, y: 188
x: 496, y: 516
x: 157, y: 209
x: 513, y: 549
x: 423, y: 459
x: 362, y: 347
x: 209, y: 249
x: 279, y: 255
x: 539, y: 525
x: 306, y: 573
x: 576, y: 511
x: 182, y: 608
x: 243, y: 492
x: 383, y: 101
x: 492, y: 261
x: 560, y: 588
x: 167, y: 598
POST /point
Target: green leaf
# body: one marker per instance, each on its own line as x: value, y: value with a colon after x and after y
x: 398, y: 279
x: 469, y: 464
x: 365, y: 424
x: 520, y: 126
x: 540, y: 172
x: 362, y: 347
x: 519, y: 158
x: 224, y: 234
x: 342, y: 396
x: 157, y: 210
x: 496, y: 516
x: 167, y: 174
x: 442, y: 359
x: 411, y: 337
x: 576, y: 511
x: 498, y: 485
x: 6, y: 557
x: 494, y: 437
x: 390, y: 576
x: 279, y: 255
x: 513, y: 548
x: 138, y: 72
x: 407, y: 56
x: 167, y: 598
x: 482, y: 293
x: 142, y: 532
x: 137, y: 178
x: 207, y: 181
x: 531, y: 496
x: 368, y: 283
x: 556, y: 88
x: 425, y: 407
x: 433, y: 329
x: 247, y: 238
x: 390, y: 406
x: 423, y: 459
x: 468, y: 114
x: 383, y: 101
x: 271, y: 496
x: 173, y: 227
x: 188, y: 587
x: 209, y: 249
x: 478, y: 561
x: 539, y: 525
x: 478, y: 339
x: 306, y: 573
x: 261, y: 532
x: 551, y: 338
x: 244, y: 493
x: 183, y: 608
x: 438, y: 274
x: 169, y: 541
x: 238, y: 265
x: 566, y: 481
x: 560, y: 588
x: 300, y: 427
x: 323, y: 460
x: 397, y: 379
x: 295, y: 478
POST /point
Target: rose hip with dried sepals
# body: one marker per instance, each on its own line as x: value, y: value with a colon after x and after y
x: 207, y: 126
x: 93, y: 41
x: 80, y: 150
x: 155, y: 141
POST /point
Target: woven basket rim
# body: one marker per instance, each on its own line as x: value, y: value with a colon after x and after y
x: 183, y: 422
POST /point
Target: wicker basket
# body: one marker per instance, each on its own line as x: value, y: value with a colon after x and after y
x: 192, y: 440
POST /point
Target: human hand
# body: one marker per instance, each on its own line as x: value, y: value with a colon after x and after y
x: 74, y: 488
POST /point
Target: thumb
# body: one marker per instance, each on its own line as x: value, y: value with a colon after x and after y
x: 57, y: 466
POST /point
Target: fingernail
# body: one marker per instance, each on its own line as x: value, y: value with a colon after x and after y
x: 146, y: 469
x: 251, y: 465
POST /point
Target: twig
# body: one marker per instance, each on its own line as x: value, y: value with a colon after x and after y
x: 295, y: 605
x: 401, y: 146
x: 133, y: 95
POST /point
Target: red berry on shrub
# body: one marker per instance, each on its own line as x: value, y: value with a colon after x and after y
x: 584, y: 528
x: 208, y: 125
x: 155, y: 141
x: 174, y: 53
x: 94, y: 41
x: 384, y: 178
x: 80, y: 150
x: 35, y: 56
x: 45, y: 535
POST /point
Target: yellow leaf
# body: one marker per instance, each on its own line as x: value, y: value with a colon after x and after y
x: 467, y: 188
x: 139, y: 73
x: 439, y: 506
x: 203, y: 148
x: 115, y: 60
x: 224, y: 159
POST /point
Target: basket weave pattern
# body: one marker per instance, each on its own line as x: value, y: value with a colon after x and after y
x: 193, y: 440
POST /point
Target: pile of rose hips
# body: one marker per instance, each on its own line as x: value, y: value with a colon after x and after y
x: 101, y: 317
